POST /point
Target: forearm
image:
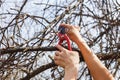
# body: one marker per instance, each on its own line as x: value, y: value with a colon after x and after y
x: 97, y: 69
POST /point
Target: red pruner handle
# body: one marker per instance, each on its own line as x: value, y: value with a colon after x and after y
x: 63, y: 37
x: 68, y: 42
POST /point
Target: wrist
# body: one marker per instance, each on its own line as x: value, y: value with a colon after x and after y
x: 79, y: 40
x: 72, y: 70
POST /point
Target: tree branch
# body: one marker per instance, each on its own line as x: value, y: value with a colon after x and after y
x: 38, y: 70
x: 26, y: 49
x: 102, y: 56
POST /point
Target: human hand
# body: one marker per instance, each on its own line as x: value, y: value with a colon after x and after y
x: 72, y: 31
x: 66, y: 59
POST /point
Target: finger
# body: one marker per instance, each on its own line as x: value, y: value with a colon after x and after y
x: 59, y: 58
x: 61, y: 48
x: 60, y: 54
x: 56, y: 58
x: 59, y: 63
x: 57, y: 53
x: 66, y: 25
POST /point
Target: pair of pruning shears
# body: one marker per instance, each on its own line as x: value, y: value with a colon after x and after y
x: 63, y: 37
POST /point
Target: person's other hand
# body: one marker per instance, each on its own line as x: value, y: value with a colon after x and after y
x: 72, y: 31
x: 66, y: 59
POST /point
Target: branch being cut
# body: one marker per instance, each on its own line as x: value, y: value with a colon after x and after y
x: 26, y: 49
x: 102, y: 56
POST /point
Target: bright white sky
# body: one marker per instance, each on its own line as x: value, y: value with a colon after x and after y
x: 31, y: 9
